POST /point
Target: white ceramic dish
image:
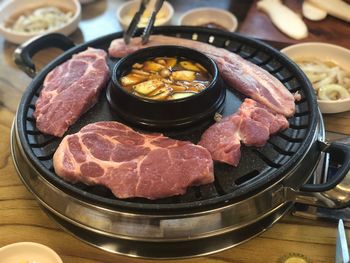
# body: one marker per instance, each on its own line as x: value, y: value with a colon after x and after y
x: 28, y: 252
x: 202, y: 16
x: 325, y: 52
x: 126, y: 12
x: 12, y: 8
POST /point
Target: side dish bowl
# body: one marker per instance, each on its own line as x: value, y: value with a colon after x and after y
x: 210, y: 17
x: 9, y: 10
x: 126, y: 12
x: 324, y: 52
x: 163, y: 114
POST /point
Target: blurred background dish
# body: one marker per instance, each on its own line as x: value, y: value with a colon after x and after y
x: 83, y: 2
x: 328, y: 68
x: 28, y: 252
x: 210, y: 17
x: 126, y: 12
x: 22, y: 20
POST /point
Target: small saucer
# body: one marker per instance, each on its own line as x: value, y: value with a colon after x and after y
x: 28, y: 252
x: 210, y: 17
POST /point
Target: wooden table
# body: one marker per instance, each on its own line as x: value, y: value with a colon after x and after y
x: 21, y: 218
x: 331, y: 30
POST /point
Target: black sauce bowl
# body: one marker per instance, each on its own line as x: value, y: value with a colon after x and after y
x: 170, y: 113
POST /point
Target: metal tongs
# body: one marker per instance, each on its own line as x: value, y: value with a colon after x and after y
x: 129, y: 33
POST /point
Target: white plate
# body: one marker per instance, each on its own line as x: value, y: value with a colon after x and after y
x: 324, y: 52
x: 28, y: 252
x: 201, y: 16
x: 14, y: 7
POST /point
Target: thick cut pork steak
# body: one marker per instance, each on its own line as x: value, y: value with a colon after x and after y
x: 252, y: 125
x: 132, y: 164
x: 70, y: 90
x: 240, y: 74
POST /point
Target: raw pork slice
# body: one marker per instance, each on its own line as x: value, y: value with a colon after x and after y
x: 239, y: 73
x: 70, y: 90
x: 252, y: 125
x: 132, y: 164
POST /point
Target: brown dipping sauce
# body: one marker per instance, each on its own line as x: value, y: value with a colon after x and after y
x: 166, y: 78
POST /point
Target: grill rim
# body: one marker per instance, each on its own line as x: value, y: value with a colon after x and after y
x: 259, y: 183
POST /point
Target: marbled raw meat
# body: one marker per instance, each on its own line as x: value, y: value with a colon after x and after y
x: 132, y: 164
x: 251, y: 125
x: 69, y: 90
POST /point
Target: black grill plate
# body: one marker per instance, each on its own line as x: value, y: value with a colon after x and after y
x: 258, y: 168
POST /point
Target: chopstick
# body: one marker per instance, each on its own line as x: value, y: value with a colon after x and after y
x: 129, y: 33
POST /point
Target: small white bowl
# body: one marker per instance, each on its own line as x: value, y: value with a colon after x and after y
x: 12, y: 8
x: 28, y: 252
x: 204, y: 16
x: 324, y: 52
x: 126, y: 12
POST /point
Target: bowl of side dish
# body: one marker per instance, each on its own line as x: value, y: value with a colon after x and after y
x: 327, y: 66
x: 166, y: 87
x: 210, y: 17
x: 23, y: 20
x: 126, y: 12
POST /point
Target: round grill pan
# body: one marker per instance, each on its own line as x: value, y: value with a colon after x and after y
x: 258, y: 168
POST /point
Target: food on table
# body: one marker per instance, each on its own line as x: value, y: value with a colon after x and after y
x: 312, y: 12
x: 166, y: 78
x: 328, y: 79
x: 337, y: 8
x: 285, y: 19
x: 69, y: 90
x: 132, y: 164
x: 39, y: 20
x: 240, y: 74
x: 333, y: 92
x: 252, y: 125
x: 161, y: 17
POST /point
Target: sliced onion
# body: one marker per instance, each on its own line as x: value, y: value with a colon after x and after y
x: 333, y: 92
x: 323, y: 75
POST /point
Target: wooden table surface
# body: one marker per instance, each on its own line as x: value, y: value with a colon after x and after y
x: 330, y: 30
x: 21, y: 218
